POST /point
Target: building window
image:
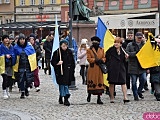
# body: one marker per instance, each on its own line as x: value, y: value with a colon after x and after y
x: 22, y: 2
x: 6, y: 1
x: 41, y: 2
x: 0, y: 1
x: 53, y: 1
x: 32, y: 2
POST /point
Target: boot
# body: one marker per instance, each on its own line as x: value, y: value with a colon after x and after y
x: 89, y: 97
x: 7, y: 90
x: 60, y: 100
x: 66, y: 102
x: 5, y: 96
x: 26, y: 92
x: 45, y: 70
x: 157, y: 96
x: 99, y: 100
x: 22, y: 95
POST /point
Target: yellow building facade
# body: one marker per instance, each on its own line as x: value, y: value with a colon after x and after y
x: 36, y: 2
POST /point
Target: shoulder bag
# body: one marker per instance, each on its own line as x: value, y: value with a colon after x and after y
x: 102, y: 66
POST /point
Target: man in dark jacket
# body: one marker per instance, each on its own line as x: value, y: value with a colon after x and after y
x: 134, y: 68
x: 129, y: 39
x: 47, y: 46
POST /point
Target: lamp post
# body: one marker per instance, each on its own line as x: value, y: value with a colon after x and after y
x: 40, y: 7
x: 72, y: 86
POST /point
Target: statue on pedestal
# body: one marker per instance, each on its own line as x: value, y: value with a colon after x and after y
x: 80, y: 11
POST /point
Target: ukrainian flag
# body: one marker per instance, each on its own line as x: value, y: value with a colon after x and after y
x: 149, y: 55
x: 107, y: 40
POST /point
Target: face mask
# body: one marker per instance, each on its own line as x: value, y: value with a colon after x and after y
x: 95, y: 44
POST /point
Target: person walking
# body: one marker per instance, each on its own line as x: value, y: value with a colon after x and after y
x: 47, y: 46
x: 129, y: 39
x: 82, y: 56
x: 23, y: 72
x: 155, y: 81
x: 115, y: 61
x: 38, y: 57
x: 134, y: 68
x: 64, y: 66
x: 7, y: 50
x: 95, y: 76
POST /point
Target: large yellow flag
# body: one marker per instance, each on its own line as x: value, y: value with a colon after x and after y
x: 149, y: 55
x: 108, y: 42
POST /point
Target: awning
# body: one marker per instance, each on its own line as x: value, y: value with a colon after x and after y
x: 31, y: 25
x: 132, y: 21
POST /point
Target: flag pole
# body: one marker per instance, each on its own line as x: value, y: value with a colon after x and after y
x: 60, y: 56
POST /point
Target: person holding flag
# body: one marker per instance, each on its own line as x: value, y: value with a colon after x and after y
x: 134, y: 68
x: 64, y: 65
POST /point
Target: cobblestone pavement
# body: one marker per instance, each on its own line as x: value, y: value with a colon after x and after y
x: 44, y: 104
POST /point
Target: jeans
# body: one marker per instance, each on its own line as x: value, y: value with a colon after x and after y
x: 142, y: 80
x: 63, y: 90
x: 23, y: 83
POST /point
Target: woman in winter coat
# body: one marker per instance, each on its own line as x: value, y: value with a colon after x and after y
x: 7, y: 50
x: 23, y: 68
x: 115, y: 60
x: 64, y: 66
x: 95, y: 84
x: 82, y: 56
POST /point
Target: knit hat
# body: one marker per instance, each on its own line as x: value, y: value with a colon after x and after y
x: 95, y: 38
x: 21, y: 36
x: 84, y: 41
x: 64, y: 41
x: 4, y: 36
x: 32, y: 35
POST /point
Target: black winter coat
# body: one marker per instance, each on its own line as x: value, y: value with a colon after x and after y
x: 116, y: 68
x: 134, y: 66
x: 47, y: 46
x: 68, y: 66
x: 24, y: 69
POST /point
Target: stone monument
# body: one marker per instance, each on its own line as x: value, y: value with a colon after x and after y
x: 82, y: 26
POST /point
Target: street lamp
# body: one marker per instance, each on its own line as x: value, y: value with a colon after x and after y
x: 40, y: 7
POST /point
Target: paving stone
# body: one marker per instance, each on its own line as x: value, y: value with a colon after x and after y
x: 44, y: 105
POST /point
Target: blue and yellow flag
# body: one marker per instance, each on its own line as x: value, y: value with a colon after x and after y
x: 55, y: 47
x: 149, y: 55
x: 107, y: 40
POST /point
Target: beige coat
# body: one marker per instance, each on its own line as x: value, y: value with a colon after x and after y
x: 95, y: 76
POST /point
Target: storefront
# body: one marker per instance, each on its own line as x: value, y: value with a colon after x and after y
x: 120, y: 24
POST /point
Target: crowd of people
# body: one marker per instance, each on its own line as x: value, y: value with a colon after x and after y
x: 22, y: 55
